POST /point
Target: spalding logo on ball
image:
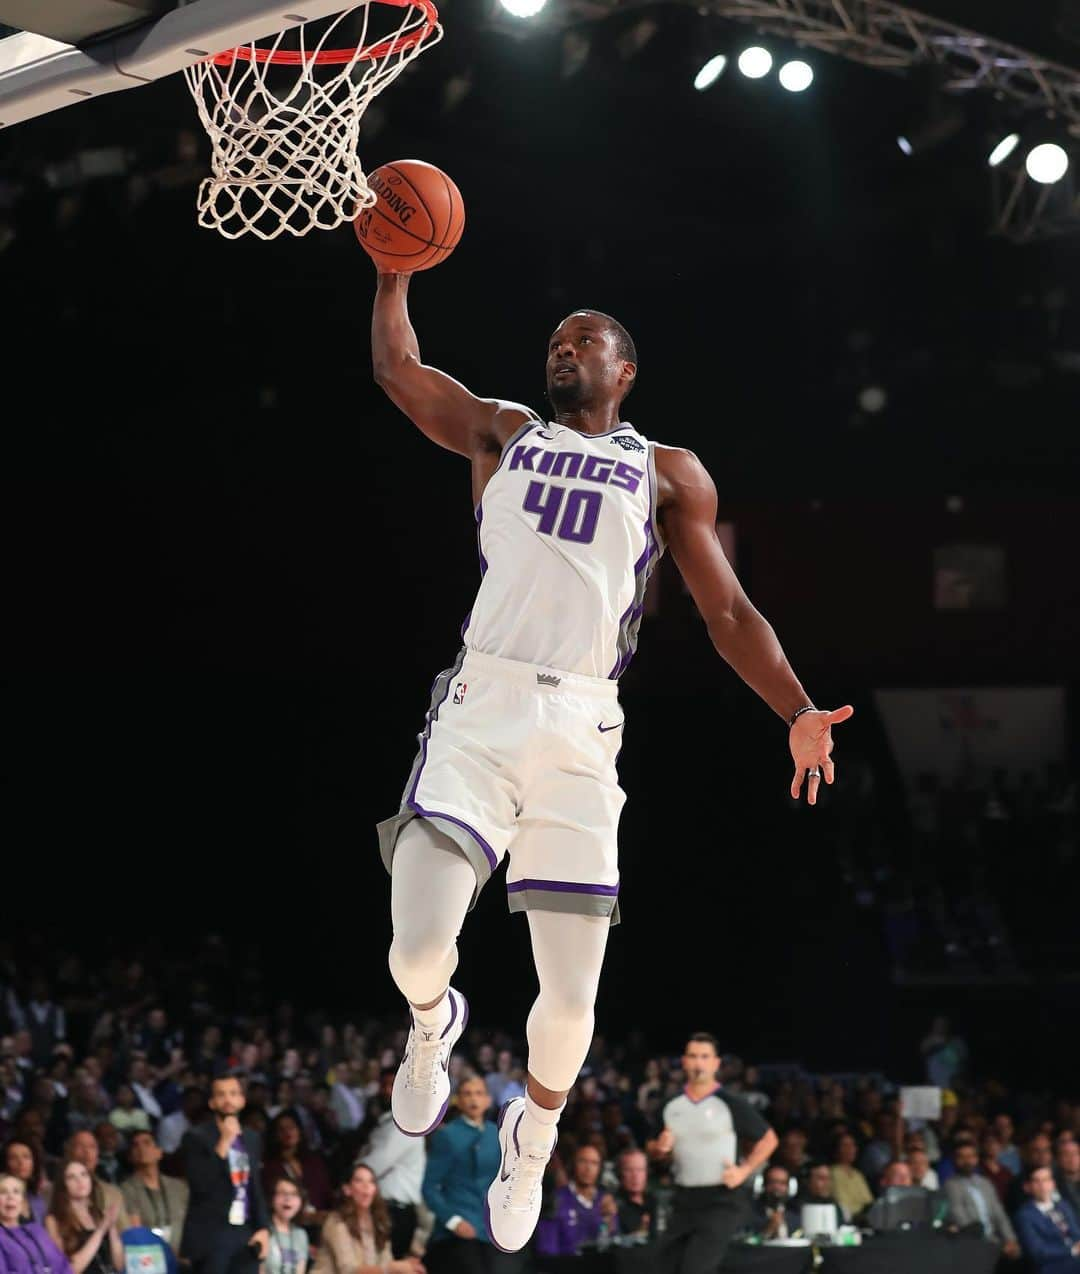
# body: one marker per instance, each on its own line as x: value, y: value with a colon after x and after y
x: 416, y: 220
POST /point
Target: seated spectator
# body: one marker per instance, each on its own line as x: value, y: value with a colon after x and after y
x: 127, y: 1116
x: 791, y: 1153
x: 1067, y: 1172
x: 882, y: 1149
x: 505, y: 1081
x: 356, y: 1237
x: 463, y: 1158
x: 973, y: 1201
x: 1049, y: 1230
x: 849, y: 1186
x: 582, y: 1209
x: 25, y: 1247
x: 1037, y: 1151
x: 287, y: 1156
x: 946, y: 1166
x: 83, y: 1148
x: 635, y: 1202
x: 288, y: 1251
x: 142, y: 1081
x: 990, y: 1165
x: 172, y: 1128
x: 21, y: 1160
x: 888, y: 1212
x: 774, y: 1217
x: 921, y: 1172
x: 110, y: 1166
x: 87, y: 1236
x: 151, y: 1199
x: 1008, y: 1155
x: 347, y: 1100
x: 87, y: 1103
x: 817, y: 1190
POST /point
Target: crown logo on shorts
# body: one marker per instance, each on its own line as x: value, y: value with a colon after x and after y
x: 546, y: 679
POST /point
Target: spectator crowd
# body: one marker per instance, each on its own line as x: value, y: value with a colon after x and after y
x: 222, y: 1138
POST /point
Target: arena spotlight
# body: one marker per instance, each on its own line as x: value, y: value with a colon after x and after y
x: 796, y: 76
x: 523, y: 8
x: 1047, y: 163
x: 710, y: 72
x: 1003, y: 149
x: 755, y: 62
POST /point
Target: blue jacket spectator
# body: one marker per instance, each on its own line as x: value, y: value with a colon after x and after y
x: 463, y: 1158
x: 1049, y: 1231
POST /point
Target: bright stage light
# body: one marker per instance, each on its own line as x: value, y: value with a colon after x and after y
x: 1004, y: 149
x: 523, y: 8
x: 710, y: 72
x: 796, y: 76
x: 1047, y: 163
x: 755, y: 62
x: 905, y: 146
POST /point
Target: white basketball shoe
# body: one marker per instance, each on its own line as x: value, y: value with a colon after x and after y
x: 422, y: 1084
x: 512, y: 1206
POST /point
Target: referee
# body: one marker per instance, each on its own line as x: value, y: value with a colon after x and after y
x: 703, y: 1128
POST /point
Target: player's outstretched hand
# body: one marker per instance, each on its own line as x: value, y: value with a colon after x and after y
x: 810, y: 740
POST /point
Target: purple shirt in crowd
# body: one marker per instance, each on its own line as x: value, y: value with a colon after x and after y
x: 28, y: 1249
x: 575, y: 1222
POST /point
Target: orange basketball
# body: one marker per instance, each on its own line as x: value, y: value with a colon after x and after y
x: 416, y: 220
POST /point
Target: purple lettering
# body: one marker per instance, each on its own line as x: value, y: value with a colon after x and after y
x: 548, y: 510
x: 596, y: 470
x: 627, y: 477
x: 579, y: 520
x: 566, y: 464
x: 523, y: 457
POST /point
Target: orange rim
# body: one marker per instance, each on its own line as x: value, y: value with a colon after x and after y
x: 332, y: 57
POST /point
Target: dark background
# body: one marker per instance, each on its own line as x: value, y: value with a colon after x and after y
x: 236, y: 569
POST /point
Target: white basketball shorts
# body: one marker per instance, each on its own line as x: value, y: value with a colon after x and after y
x: 520, y: 759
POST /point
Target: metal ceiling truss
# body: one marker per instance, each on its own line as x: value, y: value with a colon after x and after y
x: 890, y: 37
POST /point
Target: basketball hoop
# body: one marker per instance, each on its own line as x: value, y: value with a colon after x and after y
x: 284, y: 158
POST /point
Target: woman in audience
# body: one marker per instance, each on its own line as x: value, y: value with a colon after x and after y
x: 25, y: 1248
x: 287, y: 1156
x: 356, y: 1237
x: 849, y: 1187
x: 22, y: 1160
x: 288, y: 1250
x: 88, y: 1238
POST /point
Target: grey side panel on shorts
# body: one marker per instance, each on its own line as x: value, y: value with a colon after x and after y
x: 574, y: 904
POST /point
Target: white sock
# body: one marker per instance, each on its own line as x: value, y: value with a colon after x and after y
x: 538, y: 1126
x: 434, y: 1018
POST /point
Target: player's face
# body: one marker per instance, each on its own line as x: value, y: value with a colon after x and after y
x: 582, y: 366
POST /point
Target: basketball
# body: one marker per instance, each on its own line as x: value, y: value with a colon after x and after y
x: 416, y: 220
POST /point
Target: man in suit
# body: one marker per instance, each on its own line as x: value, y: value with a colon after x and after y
x: 463, y: 1157
x: 1067, y: 1171
x: 974, y: 1201
x: 226, y: 1231
x: 158, y: 1202
x: 1049, y: 1231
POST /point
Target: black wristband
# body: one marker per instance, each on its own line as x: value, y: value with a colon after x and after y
x: 795, y: 715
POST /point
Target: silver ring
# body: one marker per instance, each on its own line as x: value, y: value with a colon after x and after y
x: 814, y: 774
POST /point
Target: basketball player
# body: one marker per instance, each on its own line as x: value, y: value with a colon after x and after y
x: 518, y: 750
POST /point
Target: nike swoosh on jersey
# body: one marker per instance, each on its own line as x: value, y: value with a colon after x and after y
x: 605, y: 728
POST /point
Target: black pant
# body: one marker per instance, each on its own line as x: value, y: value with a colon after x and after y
x: 402, y: 1227
x: 702, y: 1223
x: 470, y: 1256
x: 230, y: 1253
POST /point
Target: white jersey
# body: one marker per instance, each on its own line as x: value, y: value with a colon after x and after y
x: 568, y: 536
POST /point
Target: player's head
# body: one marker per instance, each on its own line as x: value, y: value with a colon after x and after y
x: 591, y: 360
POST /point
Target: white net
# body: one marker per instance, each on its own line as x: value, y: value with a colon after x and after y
x: 284, y: 157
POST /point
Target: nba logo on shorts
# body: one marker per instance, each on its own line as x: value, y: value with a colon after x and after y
x: 459, y: 691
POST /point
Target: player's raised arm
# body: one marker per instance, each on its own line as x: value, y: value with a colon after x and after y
x: 436, y: 403
x: 687, y: 498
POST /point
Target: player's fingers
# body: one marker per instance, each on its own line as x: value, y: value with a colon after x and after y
x: 840, y: 714
x: 797, y: 781
x: 829, y: 770
x: 812, y: 787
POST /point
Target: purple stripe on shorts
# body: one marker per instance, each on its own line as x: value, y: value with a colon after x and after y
x: 562, y: 887
x: 489, y: 853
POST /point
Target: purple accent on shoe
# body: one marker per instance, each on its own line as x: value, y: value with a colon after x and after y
x: 453, y: 1014
x: 427, y: 1131
x: 487, y: 1226
x: 417, y: 808
x: 562, y: 887
x: 502, y: 1113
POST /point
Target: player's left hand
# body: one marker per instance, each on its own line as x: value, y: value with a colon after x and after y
x: 810, y: 740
